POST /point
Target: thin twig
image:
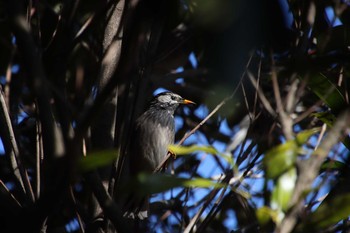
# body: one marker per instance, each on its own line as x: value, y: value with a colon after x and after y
x: 222, y: 103
x: 39, y: 157
x: 109, y: 206
x: 246, y: 101
x: 256, y: 91
x: 8, y: 201
x: 307, y: 113
x: 292, y: 97
x: 309, y: 170
x: 285, y: 119
x: 213, y: 211
x: 187, y: 135
x: 11, y: 148
x: 80, y: 222
x: 261, y: 95
x: 320, y: 137
x: 208, y: 200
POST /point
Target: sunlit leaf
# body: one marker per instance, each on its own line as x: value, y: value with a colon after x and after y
x: 97, y: 159
x: 202, y: 183
x: 303, y: 136
x: 280, y: 158
x: 283, y: 190
x: 184, y: 150
x: 155, y: 183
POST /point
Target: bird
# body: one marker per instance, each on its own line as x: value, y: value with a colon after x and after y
x: 153, y: 132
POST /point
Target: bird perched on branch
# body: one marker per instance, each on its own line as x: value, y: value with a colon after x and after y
x: 153, y: 132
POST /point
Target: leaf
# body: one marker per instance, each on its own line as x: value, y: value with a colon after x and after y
x: 156, y: 183
x: 332, y: 165
x: 327, y: 91
x: 303, y: 136
x: 202, y: 183
x: 283, y: 190
x: 184, y: 150
x: 280, y: 158
x: 97, y: 159
x: 326, y: 117
x: 266, y: 214
x: 334, y: 39
x: 330, y: 212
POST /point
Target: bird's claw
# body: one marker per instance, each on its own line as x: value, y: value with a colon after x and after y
x: 172, y: 154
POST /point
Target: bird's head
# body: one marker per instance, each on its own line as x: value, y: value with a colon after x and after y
x: 169, y: 101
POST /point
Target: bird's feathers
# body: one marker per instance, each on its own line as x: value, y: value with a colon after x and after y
x: 153, y: 132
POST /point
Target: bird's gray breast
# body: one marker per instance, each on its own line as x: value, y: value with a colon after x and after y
x: 156, y: 131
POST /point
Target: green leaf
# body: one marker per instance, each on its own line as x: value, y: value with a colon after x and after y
x: 156, y: 183
x: 330, y: 212
x: 303, y: 136
x: 280, y: 159
x: 283, y: 190
x: 326, y: 117
x: 332, y: 165
x: 184, y: 150
x: 202, y: 183
x: 327, y: 91
x: 265, y: 215
x: 97, y: 159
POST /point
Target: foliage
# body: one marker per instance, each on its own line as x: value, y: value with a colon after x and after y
x: 264, y: 150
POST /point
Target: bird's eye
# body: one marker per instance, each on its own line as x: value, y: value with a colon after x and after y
x: 173, y: 98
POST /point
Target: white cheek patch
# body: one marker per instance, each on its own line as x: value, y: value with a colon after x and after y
x: 163, y: 99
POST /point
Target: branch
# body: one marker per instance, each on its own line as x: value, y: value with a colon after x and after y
x: 261, y: 95
x: 11, y: 148
x: 8, y: 201
x: 187, y: 135
x: 110, y: 208
x: 57, y: 171
x: 308, y: 171
x: 53, y: 144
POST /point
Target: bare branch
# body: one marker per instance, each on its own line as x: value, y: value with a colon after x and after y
x: 8, y: 200
x: 222, y: 103
x: 308, y: 171
x: 285, y: 119
x: 110, y: 208
x: 10, y: 144
x: 261, y: 95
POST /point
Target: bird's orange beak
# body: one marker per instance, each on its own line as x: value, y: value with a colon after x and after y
x: 185, y: 101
